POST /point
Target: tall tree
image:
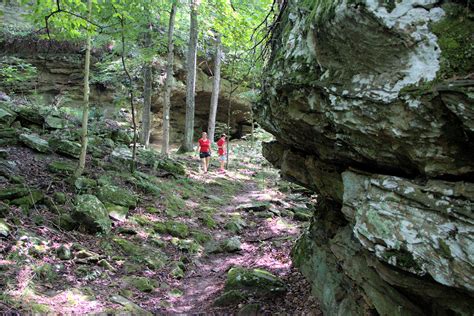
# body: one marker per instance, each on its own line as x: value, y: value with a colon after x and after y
x: 147, y: 89
x: 215, y: 89
x: 191, y: 79
x: 85, y: 106
x: 168, y: 82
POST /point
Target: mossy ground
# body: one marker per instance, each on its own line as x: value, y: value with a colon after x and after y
x: 153, y: 253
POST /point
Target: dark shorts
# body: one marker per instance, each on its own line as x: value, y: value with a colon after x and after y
x: 204, y: 155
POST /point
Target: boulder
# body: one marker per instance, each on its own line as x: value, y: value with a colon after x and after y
x: 141, y: 283
x: 55, y: 122
x: 30, y: 114
x: 6, y: 117
x: 91, y: 213
x: 370, y: 103
x: 14, y: 192
x: 121, y: 156
x: 65, y: 147
x: 35, y: 142
x: 31, y: 199
x: 259, y: 282
x: 175, y: 229
x: 8, y: 136
x: 62, y: 167
x: 115, y: 195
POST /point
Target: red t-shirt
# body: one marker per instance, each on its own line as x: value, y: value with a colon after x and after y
x: 204, y: 144
x: 220, y: 145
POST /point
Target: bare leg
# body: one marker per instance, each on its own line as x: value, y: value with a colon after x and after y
x: 222, y: 164
x: 207, y: 162
x: 204, y: 165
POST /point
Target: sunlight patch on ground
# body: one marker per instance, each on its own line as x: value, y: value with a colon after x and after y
x: 68, y: 301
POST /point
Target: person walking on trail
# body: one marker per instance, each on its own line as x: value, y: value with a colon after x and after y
x: 222, y: 151
x: 204, y: 150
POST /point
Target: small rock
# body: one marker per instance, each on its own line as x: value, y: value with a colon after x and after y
x: 4, y: 209
x: 3, y: 153
x: 105, y: 264
x: 231, y: 297
x: 177, y: 272
x: 64, y: 253
x: 302, y: 214
x: 249, y: 310
x: 141, y: 283
x: 256, y: 207
x: 129, y: 305
x: 232, y: 244
x: 117, y: 212
x: 62, y: 167
x: 86, y: 256
x: 59, y: 197
x: 35, y: 142
x: 4, y: 229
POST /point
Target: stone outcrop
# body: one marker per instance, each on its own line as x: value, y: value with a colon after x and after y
x: 373, y: 110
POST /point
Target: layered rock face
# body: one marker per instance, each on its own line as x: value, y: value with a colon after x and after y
x: 371, y: 103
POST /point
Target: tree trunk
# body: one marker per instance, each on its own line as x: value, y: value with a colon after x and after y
x: 148, y: 79
x: 168, y: 83
x: 85, y: 106
x: 215, y: 89
x: 190, y: 80
x: 130, y: 91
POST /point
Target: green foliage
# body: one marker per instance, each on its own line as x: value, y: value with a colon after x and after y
x: 455, y: 40
x: 14, y: 70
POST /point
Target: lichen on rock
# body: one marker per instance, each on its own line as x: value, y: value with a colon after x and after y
x: 371, y: 107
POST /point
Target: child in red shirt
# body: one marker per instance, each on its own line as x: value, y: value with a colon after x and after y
x: 204, y: 150
x: 221, y: 151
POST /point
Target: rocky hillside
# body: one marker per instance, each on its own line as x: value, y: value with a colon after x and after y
x: 164, y: 239
x: 371, y: 106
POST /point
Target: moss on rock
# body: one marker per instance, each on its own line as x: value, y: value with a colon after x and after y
x: 141, y: 283
x: 62, y: 167
x: 256, y: 281
x: 92, y: 214
x: 455, y: 38
x: 116, y: 195
x: 232, y: 297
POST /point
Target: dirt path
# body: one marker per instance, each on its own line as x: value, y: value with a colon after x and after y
x: 266, y: 244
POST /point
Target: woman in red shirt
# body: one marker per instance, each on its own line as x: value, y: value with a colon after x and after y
x: 204, y: 150
x: 221, y: 151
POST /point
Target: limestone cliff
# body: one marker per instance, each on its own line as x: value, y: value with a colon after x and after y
x: 371, y: 103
